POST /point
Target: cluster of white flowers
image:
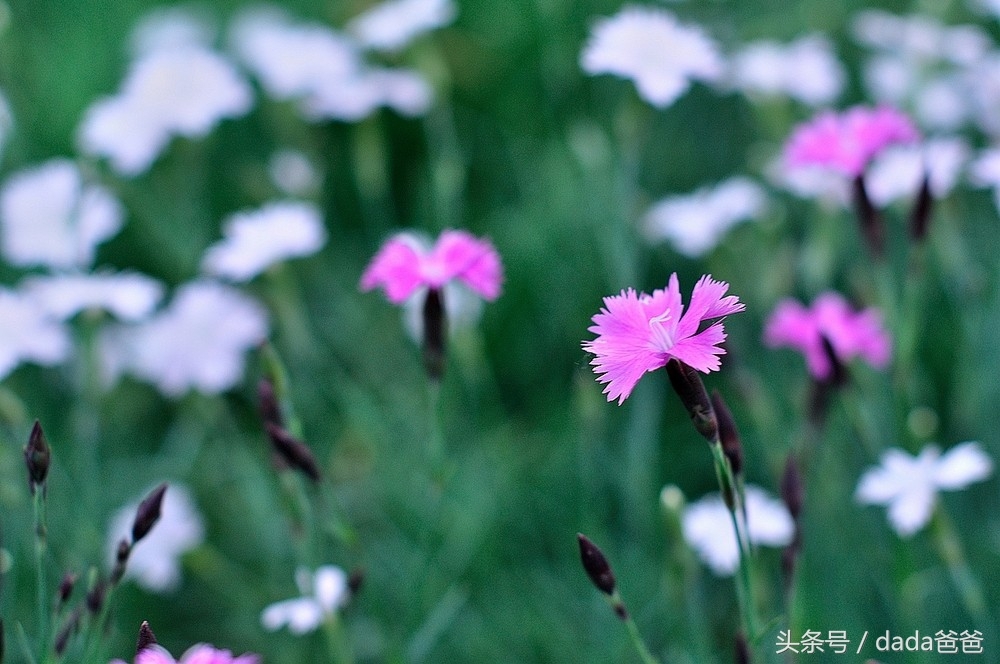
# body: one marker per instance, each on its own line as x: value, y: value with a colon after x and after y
x: 897, y: 173
x: 694, y: 224
x: 325, y: 71
x: 172, y: 90
x: 323, y: 592
x: 806, y: 70
x: 650, y: 47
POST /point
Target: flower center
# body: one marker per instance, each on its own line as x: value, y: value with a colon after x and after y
x: 662, y: 331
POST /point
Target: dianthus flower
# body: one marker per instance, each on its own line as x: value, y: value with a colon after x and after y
x: 850, y: 334
x: 637, y: 332
x: 198, y: 654
x: 908, y: 484
x: 848, y: 141
x: 404, y: 264
x: 323, y: 592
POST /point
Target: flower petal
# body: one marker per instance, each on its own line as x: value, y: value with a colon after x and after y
x: 301, y: 615
x: 396, y: 267
x: 961, y: 466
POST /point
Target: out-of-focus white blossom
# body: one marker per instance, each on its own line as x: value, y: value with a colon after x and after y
x: 155, y: 561
x: 322, y: 594
x: 169, y: 28
x: 257, y: 239
x: 650, y: 47
x: 128, y: 296
x: 181, y: 91
x: 393, y: 24
x: 694, y: 224
x: 708, y: 528
x: 984, y: 171
x: 197, y: 343
x: 403, y: 90
x: 908, y: 485
x: 899, y: 170
x: 293, y: 173
x: 810, y: 182
x: 28, y: 333
x: 806, y: 70
x: 49, y: 216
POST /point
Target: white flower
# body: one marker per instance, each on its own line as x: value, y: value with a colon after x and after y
x: 806, y: 70
x: 942, y: 103
x: 322, y: 594
x: 355, y: 98
x: 168, y: 28
x: 909, y: 485
x: 651, y: 48
x: 293, y: 173
x: 392, y: 25
x: 292, y: 61
x: 695, y: 223
x: 28, y: 334
x: 182, y: 91
x: 128, y: 296
x: 810, y: 182
x: 256, y: 240
x: 899, y: 170
x: 197, y: 342
x: 984, y: 171
x: 708, y: 528
x: 155, y: 560
x: 50, y: 217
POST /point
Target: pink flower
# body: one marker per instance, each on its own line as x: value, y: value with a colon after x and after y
x: 405, y: 264
x: 198, y: 654
x: 637, y: 332
x: 851, y: 334
x: 848, y: 141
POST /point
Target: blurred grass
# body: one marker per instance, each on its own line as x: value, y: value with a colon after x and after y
x: 555, y: 167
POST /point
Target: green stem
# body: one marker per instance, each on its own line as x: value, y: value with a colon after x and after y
x: 435, y: 433
x: 42, y: 595
x: 966, y: 583
x: 633, y: 632
x: 336, y: 641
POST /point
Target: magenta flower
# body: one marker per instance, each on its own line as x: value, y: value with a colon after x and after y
x: 851, y: 334
x: 637, y: 332
x: 404, y: 264
x: 198, y: 654
x: 846, y: 142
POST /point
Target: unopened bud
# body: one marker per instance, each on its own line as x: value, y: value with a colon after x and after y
x: 434, y: 319
x: 267, y: 402
x: 920, y: 215
x: 37, y: 456
x: 1, y: 641
x: 96, y: 595
x: 691, y: 390
x: 596, y: 565
x: 294, y: 452
x: 729, y: 436
x: 66, y: 587
x: 742, y: 649
x: 791, y: 488
x: 146, y: 638
x: 66, y: 631
x: 355, y: 580
x: 148, y: 513
x: 869, y: 218
x: 121, y: 561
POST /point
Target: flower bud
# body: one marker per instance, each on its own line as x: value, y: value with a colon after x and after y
x: 742, y: 649
x: 146, y: 638
x: 66, y: 587
x: 148, y: 513
x: 296, y: 453
x: 267, y: 402
x: 920, y: 215
x: 434, y: 333
x: 37, y: 456
x: 691, y: 390
x: 596, y: 565
x: 729, y: 436
x: 869, y: 218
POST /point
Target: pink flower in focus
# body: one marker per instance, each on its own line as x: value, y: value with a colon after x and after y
x: 405, y: 264
x: 846, y: 142
x: 851, y: 334
x: 637, y: 332
x: 198, y: 654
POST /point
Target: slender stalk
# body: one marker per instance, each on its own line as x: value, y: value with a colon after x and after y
x: 42, y: 595
x: 967, y: 585
x: 435, y: 433
x: 633, y: 632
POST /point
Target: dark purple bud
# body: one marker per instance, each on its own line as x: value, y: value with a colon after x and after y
x: 37, y: 456
x: 792, y: 492
x: 67, y: 631
x: 1, y: 641
x: 869, y: 218
x: 729, y: 435
x: 121, y: 561
x: 920, y: 215
x: 596, y: 565
x: 691, y: 390
x: 96, y: 595
x: 434, y: 319
x: 66, y: 587
x: 146, y: 638
x: 148, y: 513
x: 355, y: 580
x: 294, y: 452
x: 267, y: 402
x: 742, y: 649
